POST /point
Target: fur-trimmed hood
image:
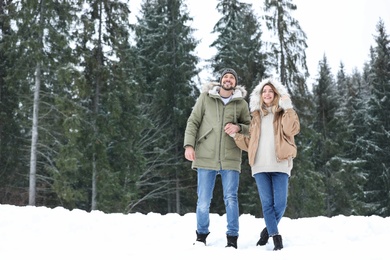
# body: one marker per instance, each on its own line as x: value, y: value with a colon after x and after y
x: 213, y: 89
x: 254, y: 98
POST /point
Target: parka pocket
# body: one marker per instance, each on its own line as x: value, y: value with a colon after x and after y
x: 205, y: 145
x: 203, y: 137
x: 232, y: 151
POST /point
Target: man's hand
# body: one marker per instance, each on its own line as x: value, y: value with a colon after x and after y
x: 231, y: 129
x: 189, y: 153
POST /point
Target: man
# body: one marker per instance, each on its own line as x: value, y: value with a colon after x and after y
x: 220, y: 111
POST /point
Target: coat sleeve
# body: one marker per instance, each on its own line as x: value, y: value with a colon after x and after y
x: 290, y: 123
x: 242, y: 141
x: 245, y: 119
x: 193, y: 123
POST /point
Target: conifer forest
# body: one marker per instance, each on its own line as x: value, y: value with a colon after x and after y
x: 93, y: 108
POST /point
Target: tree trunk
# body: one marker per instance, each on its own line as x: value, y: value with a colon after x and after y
x: 178, y: 209
x: 34, y: 138
x: 94, y: 189
x: 98, y: 86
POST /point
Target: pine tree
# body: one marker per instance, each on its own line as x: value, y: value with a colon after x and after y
x: 306, y: 189
x: 12, y: 182
x: 342, y: 172
x: 97, y: 158
x: 165, y: 46
x: 239, y: 46
x: 327, y: 125
x: 378, y: 185
x: 38, y: 48
x: 288, y: 51
x: 238, y: 43
x: 348, y: 163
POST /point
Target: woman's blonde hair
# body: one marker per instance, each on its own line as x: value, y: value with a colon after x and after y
x: 275, y: 102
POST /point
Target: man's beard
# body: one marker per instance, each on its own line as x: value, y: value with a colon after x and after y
x: 227, y: 87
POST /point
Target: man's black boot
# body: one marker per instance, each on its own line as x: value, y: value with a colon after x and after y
x: 263, y: 238
x: 278, y: 244
x: 201, y: 237
x: 231, y: 241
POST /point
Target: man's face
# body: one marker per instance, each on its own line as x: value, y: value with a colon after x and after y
x: 228, y: 81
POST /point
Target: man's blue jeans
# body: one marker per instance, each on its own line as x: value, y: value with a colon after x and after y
x: 206, y: 183
x: 273, y: 190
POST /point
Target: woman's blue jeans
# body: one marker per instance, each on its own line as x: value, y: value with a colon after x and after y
x: 273, y: 190
x: 206, y: 183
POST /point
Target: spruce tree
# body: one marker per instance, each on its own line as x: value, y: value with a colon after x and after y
x: 13, y: 159
x: 306, y: 189
x: 326, y: 145
x: 97, y: 158
x: 288, y: 50
x: 165, y: 46
x: 39, y: 48
x: 378, y: 185
x: 348, y: 163
x: 239, y: 46
x: 12, y: 168
x: 238, y: 43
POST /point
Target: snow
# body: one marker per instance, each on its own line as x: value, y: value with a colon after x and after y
x: 42, y: 233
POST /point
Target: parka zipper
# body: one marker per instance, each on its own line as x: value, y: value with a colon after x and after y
x: 220, y: 137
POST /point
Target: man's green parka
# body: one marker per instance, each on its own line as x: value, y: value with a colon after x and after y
x: 214, y: 149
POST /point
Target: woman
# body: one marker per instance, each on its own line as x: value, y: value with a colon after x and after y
x: 271, y: 149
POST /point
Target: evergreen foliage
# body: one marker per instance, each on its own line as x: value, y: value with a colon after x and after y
x: 100, y: 118
x: 238, y: 43
x: 165, y: 46
x: 378, y: 185
x: 239, y: 46
x: 37, y: 45
x: 287, y: 55
x: 326, y: 124
x: 11, y: 164
x: 114, y: 99
x: 307, y: 190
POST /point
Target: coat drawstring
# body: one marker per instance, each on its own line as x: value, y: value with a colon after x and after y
x: 216, y: 104
x: 235, y: 112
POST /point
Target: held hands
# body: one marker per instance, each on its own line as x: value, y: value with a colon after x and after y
x: 232, y: 129
x: 285, y: 102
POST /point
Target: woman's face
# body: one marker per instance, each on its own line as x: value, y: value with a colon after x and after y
x: 268, y: 95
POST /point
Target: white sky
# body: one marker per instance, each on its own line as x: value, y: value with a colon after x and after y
x: 59, y: 234
x: 341, y: 29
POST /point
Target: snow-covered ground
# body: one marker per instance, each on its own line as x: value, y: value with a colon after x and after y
x: 43, y: 233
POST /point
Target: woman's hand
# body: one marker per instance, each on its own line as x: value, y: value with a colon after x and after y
x: 285, y: 102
